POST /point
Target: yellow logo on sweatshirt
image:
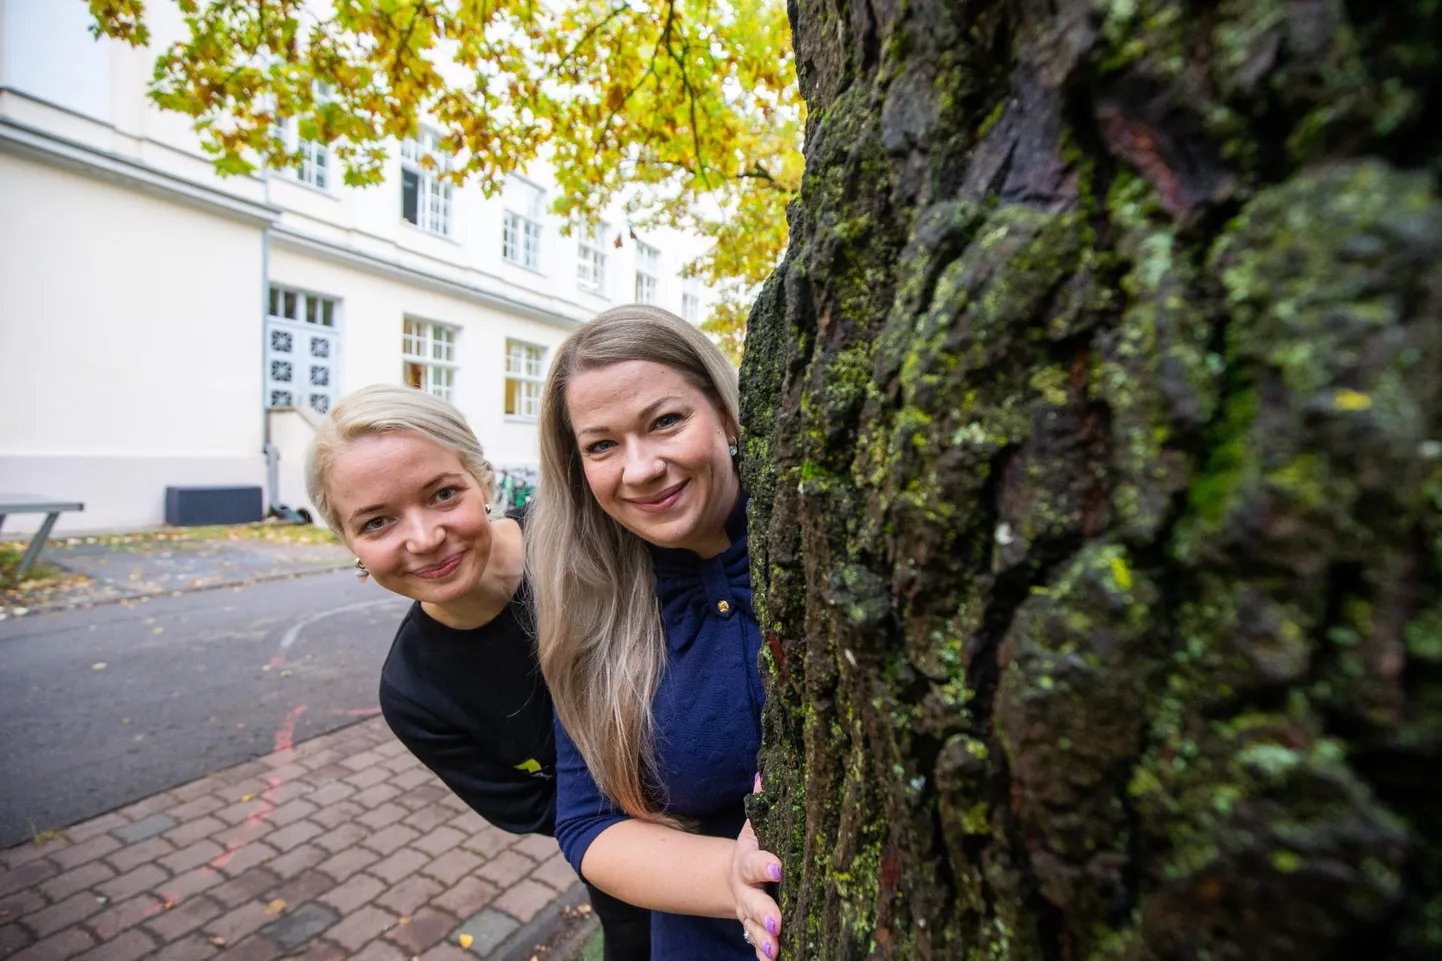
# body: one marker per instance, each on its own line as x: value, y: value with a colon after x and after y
x: 530, y: 765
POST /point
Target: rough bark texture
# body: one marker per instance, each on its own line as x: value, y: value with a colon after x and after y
x: 1094, y: 431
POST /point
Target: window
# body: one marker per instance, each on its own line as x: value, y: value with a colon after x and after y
x: 314, y: 167
x: 425, y: 198
x: 591, y: 265
x: 298, y: 306
x: 523, y: 379
x: 429, y: 357
x: 301, y: 348
x: 648, y: 266
x: 521, y: 231
x: 690, y: 308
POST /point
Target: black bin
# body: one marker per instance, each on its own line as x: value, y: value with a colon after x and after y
x: 194, y: 506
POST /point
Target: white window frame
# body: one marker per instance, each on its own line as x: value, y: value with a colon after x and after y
x: 525, y: 367
x: 434, y: 196
x: 315, y: 165
x: 428, y: 349
x: 298, y: 306
x: 648, y: 272
x: 591, y: 257
x: 690, y: 307
x: 521, y: 226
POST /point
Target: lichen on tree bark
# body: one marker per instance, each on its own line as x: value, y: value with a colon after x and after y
x: 1094, y: 435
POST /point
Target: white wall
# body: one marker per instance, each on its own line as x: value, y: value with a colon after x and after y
x: 372, y: 313
x: 129, y: 341
x: 48, y: 52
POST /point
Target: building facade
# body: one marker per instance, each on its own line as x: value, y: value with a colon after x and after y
x: 161, y: 325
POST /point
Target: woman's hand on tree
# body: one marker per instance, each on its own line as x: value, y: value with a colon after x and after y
x: 751, y: 870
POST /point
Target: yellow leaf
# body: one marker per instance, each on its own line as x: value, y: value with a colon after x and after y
x: 465, y: 940
x: 275, y: 907
x: 1352, y: 400
x: 248, y: 797
x: 218, y: 941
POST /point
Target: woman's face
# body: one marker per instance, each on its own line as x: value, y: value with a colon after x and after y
x: 654, y: 449
x: 413, y: 514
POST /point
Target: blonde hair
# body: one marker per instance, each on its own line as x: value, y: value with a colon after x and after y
x: 384, y: 409
x: 601, y: 641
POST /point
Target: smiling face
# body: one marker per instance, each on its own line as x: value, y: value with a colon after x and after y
x: 413, y: 514
x: 654, y: 451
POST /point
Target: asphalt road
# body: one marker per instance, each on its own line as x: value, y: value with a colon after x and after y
x: 103, y: 706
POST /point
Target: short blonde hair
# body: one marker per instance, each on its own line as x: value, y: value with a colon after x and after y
x: 384, y: 409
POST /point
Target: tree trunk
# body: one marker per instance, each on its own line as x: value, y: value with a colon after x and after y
x: 1094, y: 432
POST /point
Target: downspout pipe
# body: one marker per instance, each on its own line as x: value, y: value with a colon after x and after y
x: 272, y: 453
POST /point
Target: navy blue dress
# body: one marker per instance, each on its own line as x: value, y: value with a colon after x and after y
x: 708, y: 724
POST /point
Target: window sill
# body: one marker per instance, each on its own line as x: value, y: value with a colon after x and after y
x: 449, y: 238
x: 325, y: 192
x: 520, y: 266
x: 518, y: 419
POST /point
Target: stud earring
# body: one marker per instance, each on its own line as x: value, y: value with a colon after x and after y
x: 360, y: 571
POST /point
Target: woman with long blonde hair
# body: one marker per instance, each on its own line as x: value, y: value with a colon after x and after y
x: 647, y: 638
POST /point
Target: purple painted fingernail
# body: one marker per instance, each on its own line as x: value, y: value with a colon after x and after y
x: 770, y: 950
x: 770, y: 925
x: 774, y: 872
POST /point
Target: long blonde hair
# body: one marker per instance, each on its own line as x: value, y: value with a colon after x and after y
x: 383, y: 409
x: 602, y: 644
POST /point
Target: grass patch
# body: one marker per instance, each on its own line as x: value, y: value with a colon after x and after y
x: 40, y: 575
x: 594, y: 950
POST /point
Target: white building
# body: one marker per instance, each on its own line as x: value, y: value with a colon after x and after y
x: 161, y: 325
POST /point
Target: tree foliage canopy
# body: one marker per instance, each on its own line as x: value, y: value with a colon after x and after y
x: 686, y: 109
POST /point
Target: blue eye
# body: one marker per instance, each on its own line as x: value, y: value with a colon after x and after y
x: 667, y: 420
x: 447, y: 494
x: 372, y: 525
x: 600, y: 446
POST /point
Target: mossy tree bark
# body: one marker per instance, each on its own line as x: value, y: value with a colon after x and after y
x: 1094, y: 431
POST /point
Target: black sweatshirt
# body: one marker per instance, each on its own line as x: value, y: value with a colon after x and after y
x: 472, y: 705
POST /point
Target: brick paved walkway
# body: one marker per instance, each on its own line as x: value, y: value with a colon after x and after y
x: 342, y: 847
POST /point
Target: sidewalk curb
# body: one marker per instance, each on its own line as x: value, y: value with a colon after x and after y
x: 43, y: 607
x: 550, y: 928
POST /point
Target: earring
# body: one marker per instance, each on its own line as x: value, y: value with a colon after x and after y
x: 733, y: 448
x: 360, y: 571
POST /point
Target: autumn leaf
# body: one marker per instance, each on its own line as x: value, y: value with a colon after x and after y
x: 465, y: 940
x: 688, y: 112
x: 275, y: 907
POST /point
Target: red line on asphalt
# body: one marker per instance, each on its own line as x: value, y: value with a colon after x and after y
x: 285, y: 734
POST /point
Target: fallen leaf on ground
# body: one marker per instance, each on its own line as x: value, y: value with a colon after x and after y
x: 465, y: 940
x: 275, y: 907
x: 99, y: 666
x: 248, y: 797
x: 403, y: 919
x: 218, y: 941
x: 160, y: 630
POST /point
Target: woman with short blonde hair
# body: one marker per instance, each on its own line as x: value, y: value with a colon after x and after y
x: 637, y: 548
x: 401, y: 478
